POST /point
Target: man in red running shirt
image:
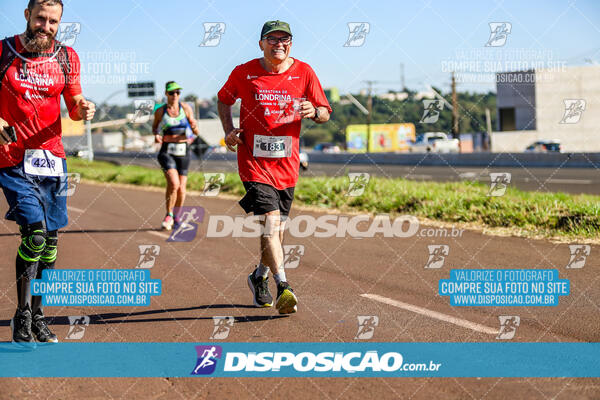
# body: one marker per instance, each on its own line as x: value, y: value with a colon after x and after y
x: 277, y: 92
x: 34, y: 71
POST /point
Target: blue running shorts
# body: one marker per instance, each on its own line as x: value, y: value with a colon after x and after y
x: 33, y: 198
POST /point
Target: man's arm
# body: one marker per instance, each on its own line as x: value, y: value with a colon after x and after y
x: 231, y: 133
x: 4, y: 137
x: 323, y: 115
x: 307, y: 110
x: 79, y: 108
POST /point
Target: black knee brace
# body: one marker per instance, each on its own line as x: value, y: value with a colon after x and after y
x: 48, y: 256
x: 33, y: 243
x: 47, y: 260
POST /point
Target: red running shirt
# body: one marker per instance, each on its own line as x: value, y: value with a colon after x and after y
x: 269, y: 108
x: 31, y: 103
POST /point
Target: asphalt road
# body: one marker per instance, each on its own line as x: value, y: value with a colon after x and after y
x: 207, y: 277
x: 568, y: 180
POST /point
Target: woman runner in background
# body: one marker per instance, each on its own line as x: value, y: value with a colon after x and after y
x: 172, y: 123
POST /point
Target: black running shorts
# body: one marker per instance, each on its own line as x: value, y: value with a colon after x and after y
x: 261, y: 198
x: 168, y: 161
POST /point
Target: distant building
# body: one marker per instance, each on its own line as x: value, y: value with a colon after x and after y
x: 424, y: 94
x: 211, y: 131
x: 393, y: 96
x: 548, y: 104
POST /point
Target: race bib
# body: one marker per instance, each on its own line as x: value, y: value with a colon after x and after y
x: 177, y: 149
x: 42, y: 163
x: 272, y: 146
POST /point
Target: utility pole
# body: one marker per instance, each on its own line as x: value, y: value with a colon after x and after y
x: 370, y: 109
x: 455, y: 126
x: 402, y: 85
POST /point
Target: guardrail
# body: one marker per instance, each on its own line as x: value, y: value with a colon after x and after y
x: 514, y: 160
x: 508, y: 160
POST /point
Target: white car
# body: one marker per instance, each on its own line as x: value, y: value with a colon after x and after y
x: 435, y: 142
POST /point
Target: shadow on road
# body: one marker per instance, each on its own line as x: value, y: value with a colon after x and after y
x: 96, y: 231
x: 118, y: 318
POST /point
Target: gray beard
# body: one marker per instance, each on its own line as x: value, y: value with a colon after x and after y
x: 36, y: 44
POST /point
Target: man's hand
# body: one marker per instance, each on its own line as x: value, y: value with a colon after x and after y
x: 4, y: 136
x: 232, y: 139
x: 307, y: 110
x: 158, y: 139
x: 86, y: 109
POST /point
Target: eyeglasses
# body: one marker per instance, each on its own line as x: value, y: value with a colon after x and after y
x: 272, y: 40
x: 174, y: 92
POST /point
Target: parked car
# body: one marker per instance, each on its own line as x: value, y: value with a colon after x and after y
x: 434, y: 142
x: 544, y: 146
x: 327, y: 148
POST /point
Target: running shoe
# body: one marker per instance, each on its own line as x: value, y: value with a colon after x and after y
x: 167, y: 223
x: 286, y: 299
x: 21, y: 327
x: 40, y: 329
x: 259, y: 287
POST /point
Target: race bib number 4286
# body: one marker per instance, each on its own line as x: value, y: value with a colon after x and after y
x: 42, y: 162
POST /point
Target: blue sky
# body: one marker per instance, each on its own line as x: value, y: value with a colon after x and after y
x: 159, y: 40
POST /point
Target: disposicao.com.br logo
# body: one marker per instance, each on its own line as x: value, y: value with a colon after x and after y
x: 358, y: 226
x: 322, y: 362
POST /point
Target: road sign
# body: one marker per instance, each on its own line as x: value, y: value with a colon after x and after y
x: 140, y: 89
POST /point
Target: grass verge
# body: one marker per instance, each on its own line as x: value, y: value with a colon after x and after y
x: 530, y: 213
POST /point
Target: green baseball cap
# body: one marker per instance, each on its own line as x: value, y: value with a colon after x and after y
x: 170, y: 86
x: 273, y: 26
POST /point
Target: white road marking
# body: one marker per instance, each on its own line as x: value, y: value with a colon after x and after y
x: 75, y: 209
x: 571, y: 181
x: 433, y: 314
x: 163, y: 235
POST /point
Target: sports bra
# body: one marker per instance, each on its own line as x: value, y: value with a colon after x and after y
x: 178, y: 125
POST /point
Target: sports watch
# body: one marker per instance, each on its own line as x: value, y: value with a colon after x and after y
x: 316, y: 117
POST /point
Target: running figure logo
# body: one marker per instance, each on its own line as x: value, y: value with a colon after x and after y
x: 508, y: 326
x: 574, y: 109
x: 437, y: 255
x: 212, y: 184
x: 222, y: 327
x: 499, y: 183
x: 212, y: 34
x: 77, y: 327
x: 358, y: 33
x: 68, y: 183
x: 358, y: 183
x: 187, y: 228
x: 431, y: 111
x: 207, y: 359
x: 148, y: 254
x: 366, y: 326
x: 144, y: 108
x: 579, y: 253
x: 289, y: 111
x: 498, y: 34
x: 292, y: 254
x: 67, y: 33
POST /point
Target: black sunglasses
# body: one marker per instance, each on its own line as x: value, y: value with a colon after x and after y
x: 171, y: 93
x: 272, y: 40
